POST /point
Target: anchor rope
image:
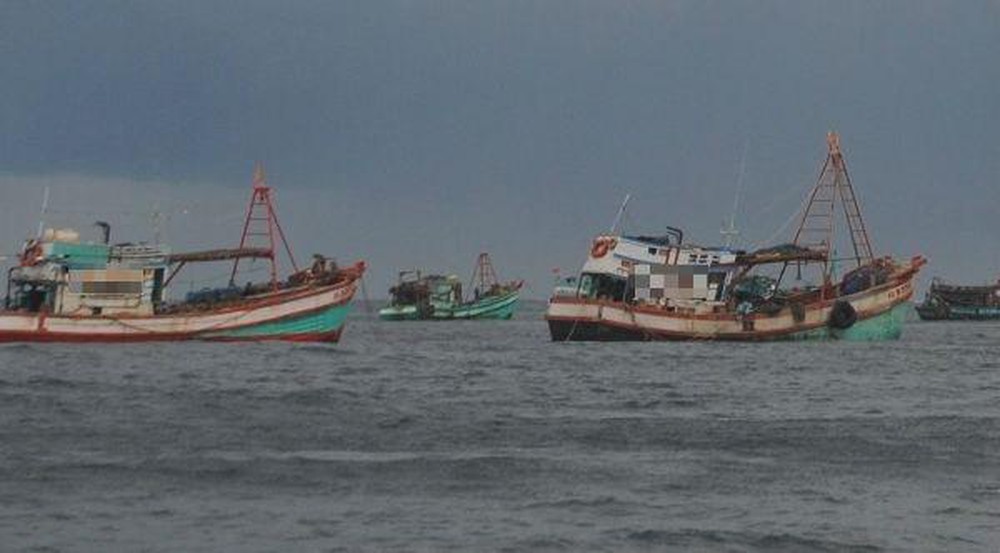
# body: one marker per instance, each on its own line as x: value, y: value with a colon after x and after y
x: 369, y: 310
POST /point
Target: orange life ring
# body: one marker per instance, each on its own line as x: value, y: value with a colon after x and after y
x: 601, y: 247
x: 32, y: 254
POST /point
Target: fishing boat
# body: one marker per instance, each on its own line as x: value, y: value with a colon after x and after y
x: 660, y: 287
x: 435, y: 297
x: 64, y: 289
x: 949, y: 302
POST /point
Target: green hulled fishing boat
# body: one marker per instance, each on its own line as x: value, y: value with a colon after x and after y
x: 437, y: 297
x: 951, y: 302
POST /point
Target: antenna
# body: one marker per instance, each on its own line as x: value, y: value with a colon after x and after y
x: 157, y: 218
x: 730, y: 232
x: 621, y: 213
x: 45, y: 209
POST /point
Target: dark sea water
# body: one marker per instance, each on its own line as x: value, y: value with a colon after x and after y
x: 487, y: 437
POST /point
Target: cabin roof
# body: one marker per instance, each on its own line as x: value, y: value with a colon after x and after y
x: 220, y: 255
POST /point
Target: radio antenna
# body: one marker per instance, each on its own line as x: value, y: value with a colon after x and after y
x: 730, y: 232
x: 621, y: 213
x: 45, y: 209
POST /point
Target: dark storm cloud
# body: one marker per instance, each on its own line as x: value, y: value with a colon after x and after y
x: 416, y: 133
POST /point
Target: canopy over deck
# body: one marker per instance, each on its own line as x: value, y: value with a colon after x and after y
x: 181, y: 259
x: 785, y: 253
x: 226, y: 254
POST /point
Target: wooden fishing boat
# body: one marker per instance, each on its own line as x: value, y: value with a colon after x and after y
x: 949, y: 302
x: 65, y: 290
x: 663, y: 288
x: 436, y: 297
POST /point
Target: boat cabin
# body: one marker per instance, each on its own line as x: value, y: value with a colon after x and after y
x: 656, y: 270
x: 61, y: 275
x: 425, y: 291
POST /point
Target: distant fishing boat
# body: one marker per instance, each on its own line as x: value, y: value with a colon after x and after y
x: 663, y: 288
x: 68, y: 290
x: 436, y: 297
x: 948, y: 302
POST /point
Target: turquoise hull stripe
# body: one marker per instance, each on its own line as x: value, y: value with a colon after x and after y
x: 974, y: 312
x: 405, y: 313
x: 501, y: 307
x: 885, y: 326
x: 320, y: 322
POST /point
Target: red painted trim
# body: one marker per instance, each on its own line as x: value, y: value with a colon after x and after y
x: 80, y: 338
x: 332, y: 336
x: 72, y: 337
x: 352, y: 274
x: 899, y: 279
x: 45, y: 335
x: 750, y: 335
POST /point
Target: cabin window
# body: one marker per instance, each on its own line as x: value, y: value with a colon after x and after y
x: 33, y: 298
x: 718, y: 280
x: 158, y: 285
x: 586, y: 286
x: 36, y: 300
x: 107, y: 287
x: 610, y: 288
x: 603, y: 286
x: 652, y: 251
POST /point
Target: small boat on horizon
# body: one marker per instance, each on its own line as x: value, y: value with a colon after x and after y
x: 640, y: 287
x: 950, y: 302
x: 437, y: 297
x: 67, y: 290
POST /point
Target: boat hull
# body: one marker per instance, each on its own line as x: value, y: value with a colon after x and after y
x: 313, y: 314
x: 949, y: 302
x: 881, y: 312
x: 403, y: 313
x: 958, y: 313
x: 493, y: 307
x: 496, y: 307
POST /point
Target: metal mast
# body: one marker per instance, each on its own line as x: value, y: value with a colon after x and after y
x: 261, y: 224
x: 816, y: 229
x: 483, y: 276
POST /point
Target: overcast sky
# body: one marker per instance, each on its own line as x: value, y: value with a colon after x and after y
x: 417, y: 133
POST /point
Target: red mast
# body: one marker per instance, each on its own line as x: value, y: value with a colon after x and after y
x: 262, y: 224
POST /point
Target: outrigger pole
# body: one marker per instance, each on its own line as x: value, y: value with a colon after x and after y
x: 265, y: 223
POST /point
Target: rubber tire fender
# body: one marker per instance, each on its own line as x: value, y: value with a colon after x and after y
x: 842, y: 315
x: 798, y: 312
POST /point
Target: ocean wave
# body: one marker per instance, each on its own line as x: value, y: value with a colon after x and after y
x: 321, y: 350
x: 20, y: 347
x: 544, y: 543
x: 51, y: 382
x: 575, y: 502
x: 357, y: 456
x: 718, y: 539
x: 322, y: 396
